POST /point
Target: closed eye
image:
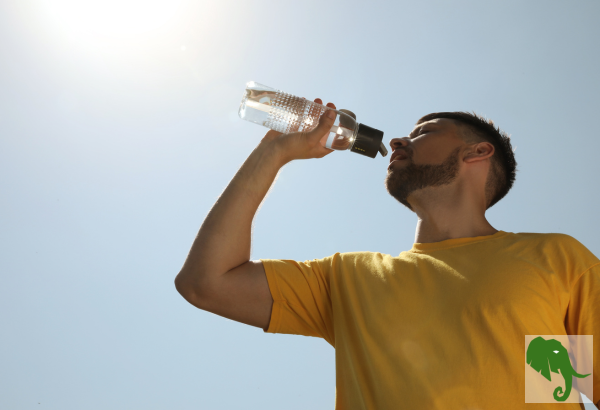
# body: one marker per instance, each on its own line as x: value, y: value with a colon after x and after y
x: 419, y: 134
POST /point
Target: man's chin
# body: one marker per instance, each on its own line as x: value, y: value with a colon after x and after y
x: 400, y: 198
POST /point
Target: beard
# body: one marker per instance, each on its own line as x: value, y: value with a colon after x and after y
x: 401, y: 182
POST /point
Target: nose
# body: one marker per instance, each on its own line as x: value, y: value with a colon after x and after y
x: 399, y: 142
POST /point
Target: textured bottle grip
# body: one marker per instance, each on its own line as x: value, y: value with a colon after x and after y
x: 345, y: 132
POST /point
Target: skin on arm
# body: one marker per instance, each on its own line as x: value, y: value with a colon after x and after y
x: 218, y: 275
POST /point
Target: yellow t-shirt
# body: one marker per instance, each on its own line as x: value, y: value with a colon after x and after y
x: 443, y: 325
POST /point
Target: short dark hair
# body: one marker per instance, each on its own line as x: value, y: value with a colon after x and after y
x: 504, y: 166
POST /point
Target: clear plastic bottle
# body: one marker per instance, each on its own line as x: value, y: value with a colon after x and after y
x: 287, y: 113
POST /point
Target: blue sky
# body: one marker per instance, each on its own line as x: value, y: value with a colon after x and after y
x: 119, y: 130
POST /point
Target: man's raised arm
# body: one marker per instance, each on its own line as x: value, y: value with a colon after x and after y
x: 218, y: 275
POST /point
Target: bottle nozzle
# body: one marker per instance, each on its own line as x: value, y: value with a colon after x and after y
x: 383, y: 150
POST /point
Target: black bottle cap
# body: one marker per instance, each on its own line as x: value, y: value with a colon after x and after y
x: 368, y: 141
x: 367, y: 138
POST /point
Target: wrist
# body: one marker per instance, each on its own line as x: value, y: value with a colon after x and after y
x: 272, y: 145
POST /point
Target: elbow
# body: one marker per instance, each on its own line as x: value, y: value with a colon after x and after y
x: 190, y: 288
x: 179, y: 283
x: 185, y: 287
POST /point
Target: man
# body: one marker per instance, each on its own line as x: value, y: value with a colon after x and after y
x: 441, y: 326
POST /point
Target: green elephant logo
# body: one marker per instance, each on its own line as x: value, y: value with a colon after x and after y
x: 550, y: 355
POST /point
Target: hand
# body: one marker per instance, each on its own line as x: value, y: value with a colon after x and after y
x: 304, y: 145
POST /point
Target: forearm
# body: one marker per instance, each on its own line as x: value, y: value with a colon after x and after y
x: 224, y: 239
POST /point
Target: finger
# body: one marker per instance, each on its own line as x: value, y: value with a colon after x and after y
x: 328, y: 151
x: 318, y: 101
x: 322, y: 150
x: 325, y: 123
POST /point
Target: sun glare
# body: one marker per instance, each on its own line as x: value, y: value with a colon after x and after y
x: 110, y: 18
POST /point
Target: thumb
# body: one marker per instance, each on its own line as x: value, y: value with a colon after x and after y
x: 325, y: 123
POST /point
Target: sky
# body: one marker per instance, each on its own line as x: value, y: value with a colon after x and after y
x: 119, y: 130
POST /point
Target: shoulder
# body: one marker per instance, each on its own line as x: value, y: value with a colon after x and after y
x: 337, y: 260
x: 362, y: 257
x: 554, y: 245
x: 549, y: 239
x: 344, y: 261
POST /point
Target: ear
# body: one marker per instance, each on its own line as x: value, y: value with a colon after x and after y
x: 537, y: 356
x: 478, y: 152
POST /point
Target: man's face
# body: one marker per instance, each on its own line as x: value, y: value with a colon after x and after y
x: 428, y: 157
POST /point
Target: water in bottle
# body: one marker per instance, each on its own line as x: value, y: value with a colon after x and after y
x: 287, y: 113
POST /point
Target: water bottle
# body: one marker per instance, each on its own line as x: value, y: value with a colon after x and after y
x: 287, y: 113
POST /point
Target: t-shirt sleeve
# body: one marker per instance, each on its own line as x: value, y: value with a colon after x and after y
x: 583, y: 318
x: 301, y: 297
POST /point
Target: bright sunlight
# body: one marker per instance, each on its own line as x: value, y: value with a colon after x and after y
x: 110, y: 18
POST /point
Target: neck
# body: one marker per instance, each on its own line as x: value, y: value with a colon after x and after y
x: 449, y: 213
